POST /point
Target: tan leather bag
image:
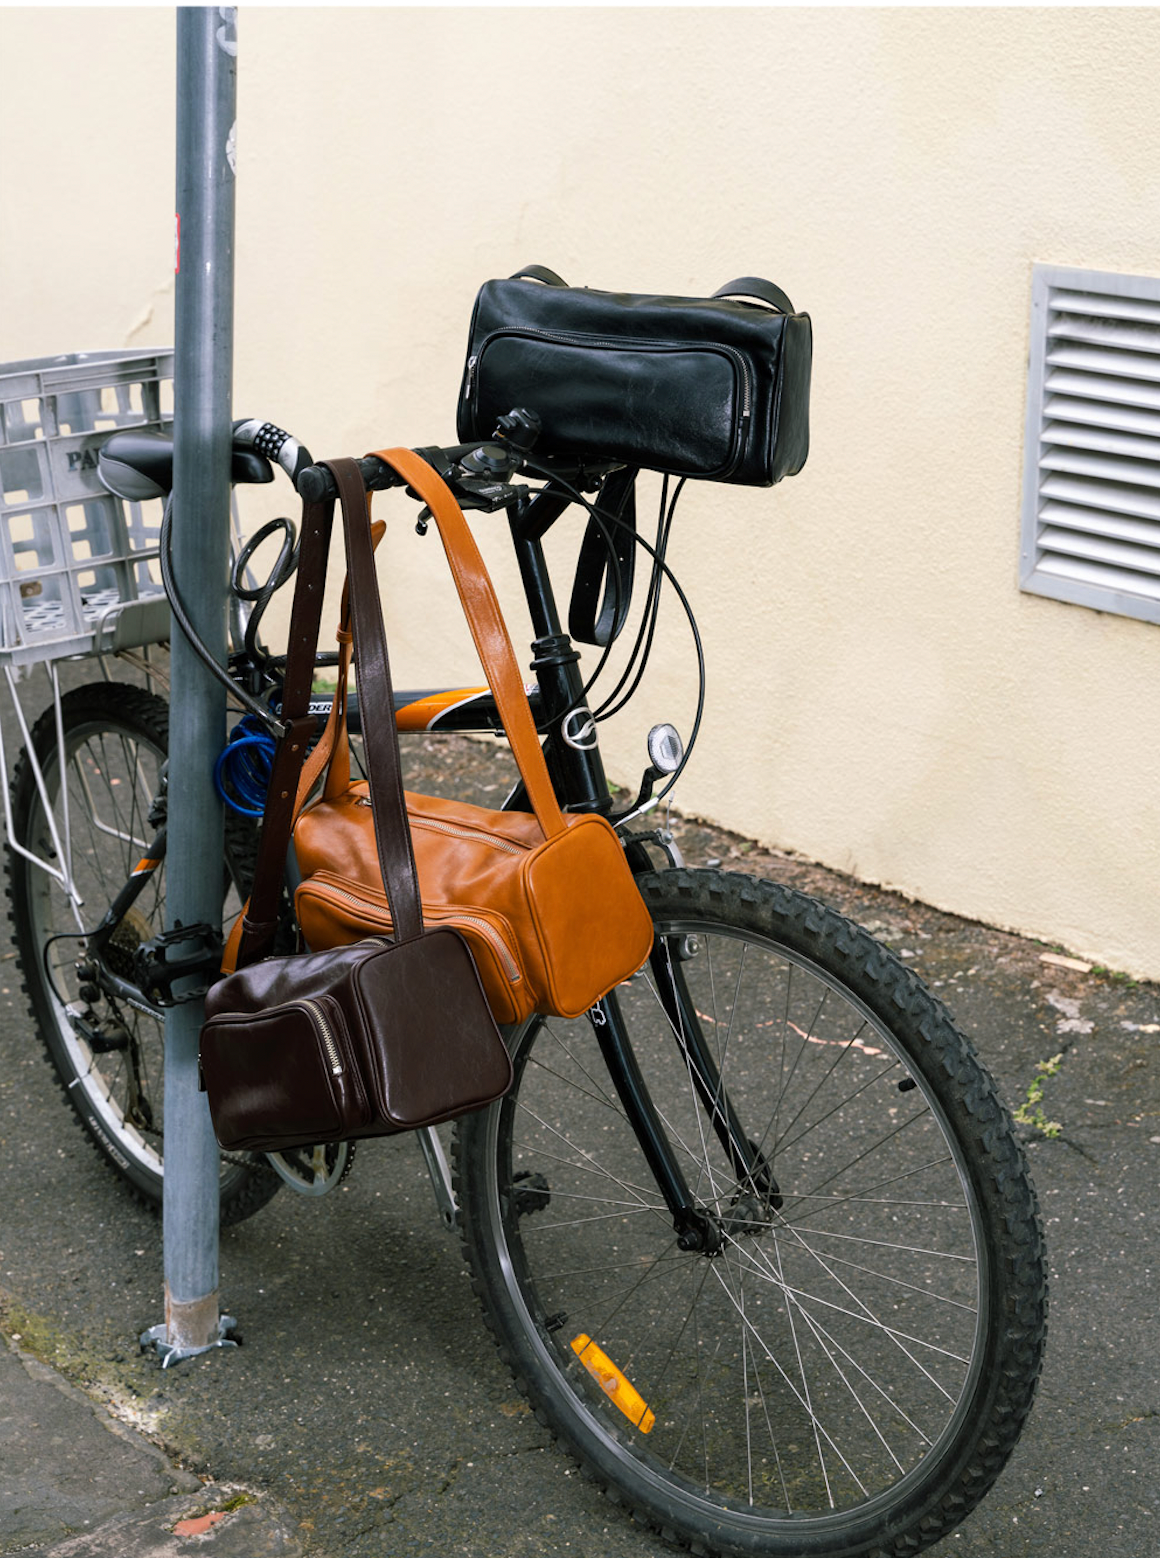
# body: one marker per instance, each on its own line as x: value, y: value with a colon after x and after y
x: 546, y: 902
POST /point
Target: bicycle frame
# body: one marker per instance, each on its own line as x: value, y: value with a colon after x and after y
x: 577, y: 770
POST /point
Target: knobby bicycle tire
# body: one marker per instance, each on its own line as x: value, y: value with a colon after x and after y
x: 849, y: 1374
x: 116, y: 738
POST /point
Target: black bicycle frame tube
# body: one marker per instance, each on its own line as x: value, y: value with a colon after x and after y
x: 98, y: 938
x: 578, y: 773
x: 556, y: 663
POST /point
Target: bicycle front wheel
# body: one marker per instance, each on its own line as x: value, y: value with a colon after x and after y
x: 107, y: 1052
x: 847, y: 1372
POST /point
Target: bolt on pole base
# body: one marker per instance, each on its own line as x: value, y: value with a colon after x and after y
x: 170, y: 1353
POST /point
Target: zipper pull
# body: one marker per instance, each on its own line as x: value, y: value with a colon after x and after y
x: 469, y: 376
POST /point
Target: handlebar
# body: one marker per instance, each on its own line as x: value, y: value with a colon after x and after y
x: 478, y: 473
x: 315, y: 483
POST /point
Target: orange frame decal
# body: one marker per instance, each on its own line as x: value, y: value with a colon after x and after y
x: 425, y: 713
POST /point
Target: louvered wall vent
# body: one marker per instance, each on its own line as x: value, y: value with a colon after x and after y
x: 1091, y: 490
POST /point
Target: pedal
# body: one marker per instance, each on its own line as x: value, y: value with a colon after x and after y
x: 156, y: 971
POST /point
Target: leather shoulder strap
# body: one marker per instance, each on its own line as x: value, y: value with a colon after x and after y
x: 488, y: 629
x: 332, y: 750
x: 259, y: 919
x: 380, y: 738
x: 607, y: 558
x: 755, y: 287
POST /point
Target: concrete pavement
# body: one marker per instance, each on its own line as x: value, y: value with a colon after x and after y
x: 366, y: 1413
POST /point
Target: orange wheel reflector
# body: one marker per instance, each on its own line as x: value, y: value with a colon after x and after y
x: 615, y: 1385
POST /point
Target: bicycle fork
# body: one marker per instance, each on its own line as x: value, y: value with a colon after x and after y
x: 697, y: 1229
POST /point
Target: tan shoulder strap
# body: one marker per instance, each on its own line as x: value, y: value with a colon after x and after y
x: 484, y: 618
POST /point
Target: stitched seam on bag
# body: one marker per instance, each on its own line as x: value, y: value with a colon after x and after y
x: 379, y: 1103
x: 775, y: 409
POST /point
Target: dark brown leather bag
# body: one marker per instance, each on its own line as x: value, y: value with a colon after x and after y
x: 546, y: 901
x: 369, y: 1039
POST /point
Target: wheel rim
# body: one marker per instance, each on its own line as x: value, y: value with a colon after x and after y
x: 113, y: 773
x: 821, y: 1366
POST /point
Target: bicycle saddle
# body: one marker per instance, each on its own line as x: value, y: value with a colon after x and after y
x: 138, y: 464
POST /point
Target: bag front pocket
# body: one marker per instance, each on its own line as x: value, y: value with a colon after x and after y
x: 281, y: 1078
x: 672, y: 406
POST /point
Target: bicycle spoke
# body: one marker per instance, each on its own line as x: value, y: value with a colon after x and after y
x: 824, y: 1349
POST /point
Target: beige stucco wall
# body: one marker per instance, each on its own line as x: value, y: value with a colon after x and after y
x: 881, y: 696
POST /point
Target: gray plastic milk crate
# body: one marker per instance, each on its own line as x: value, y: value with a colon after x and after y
x: 78, y: 567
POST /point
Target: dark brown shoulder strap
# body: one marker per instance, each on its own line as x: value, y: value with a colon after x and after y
x: 376, y: 701
x: 260, y: 918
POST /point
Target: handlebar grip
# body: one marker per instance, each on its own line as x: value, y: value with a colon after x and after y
x: 275, y: 443
x: 316, y: 484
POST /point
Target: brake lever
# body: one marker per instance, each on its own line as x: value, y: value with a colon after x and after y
x: 479, y: 492
x: 470, y: 493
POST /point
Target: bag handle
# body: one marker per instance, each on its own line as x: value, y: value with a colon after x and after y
x: 328, y: 751
x: 253, y: 933
x: 380, y: 738
x: 755, y: 287
x: 744, y: 286
x: 598, y: 566
x: 488, y: 630
x: 538, y: 273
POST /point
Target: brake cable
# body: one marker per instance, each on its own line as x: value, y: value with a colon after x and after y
x: 601, y: 516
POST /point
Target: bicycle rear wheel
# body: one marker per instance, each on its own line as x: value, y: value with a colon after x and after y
x: 848, y: 1373
x: 108, y: 1054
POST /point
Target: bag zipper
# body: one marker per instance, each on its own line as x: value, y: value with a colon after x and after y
x: 486, y: 929
x: 624, y: 342
x: 492, y: 936
x: 318, y: 1018
x: 326, y: 1033
x: 476, y: 835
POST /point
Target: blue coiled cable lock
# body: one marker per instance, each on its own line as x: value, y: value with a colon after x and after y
x: 241, y: 774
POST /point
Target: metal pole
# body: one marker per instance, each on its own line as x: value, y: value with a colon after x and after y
x: 206, y: 101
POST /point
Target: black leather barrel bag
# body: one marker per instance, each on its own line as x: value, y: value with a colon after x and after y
x: 715, y: 388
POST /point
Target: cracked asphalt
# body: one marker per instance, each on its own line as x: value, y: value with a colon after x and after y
x: 366, y: 1403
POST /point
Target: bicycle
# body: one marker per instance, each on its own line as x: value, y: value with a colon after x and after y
x: 755, y: 1236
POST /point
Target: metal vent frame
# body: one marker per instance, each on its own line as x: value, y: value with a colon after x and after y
x: 1091, y: 483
